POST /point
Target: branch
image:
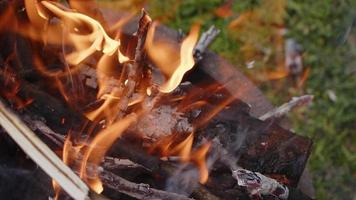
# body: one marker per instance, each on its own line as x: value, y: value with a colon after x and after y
x: 205, y: 40
x: 285, y: 108
x: 133, y: 67
x: 139, y: 191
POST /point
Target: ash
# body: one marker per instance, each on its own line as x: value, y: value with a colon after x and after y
x: 161, y: 122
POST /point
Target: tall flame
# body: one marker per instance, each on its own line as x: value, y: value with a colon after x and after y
x: 186, y: 61
x: 163, y: 55
x: 86, y: 44
x: 99, y: 146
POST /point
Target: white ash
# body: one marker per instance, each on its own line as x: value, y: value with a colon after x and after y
x: 162, y: 121
x: 285, y: 108
x: 257, y: 184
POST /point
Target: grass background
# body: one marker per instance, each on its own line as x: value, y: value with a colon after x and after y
x: 251, y: 31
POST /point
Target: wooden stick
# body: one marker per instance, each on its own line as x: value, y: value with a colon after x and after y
x: 134, y: 67
x: 42, y: 155
x: 285, y: 108
x: 204, y: 41
x: 139, y: 191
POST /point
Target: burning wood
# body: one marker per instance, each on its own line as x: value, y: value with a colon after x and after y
x: 136, y: 114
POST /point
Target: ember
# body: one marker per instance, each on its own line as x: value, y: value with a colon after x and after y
x: 95, y: 93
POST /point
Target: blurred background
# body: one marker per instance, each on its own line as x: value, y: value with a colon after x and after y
x: 288, y: 48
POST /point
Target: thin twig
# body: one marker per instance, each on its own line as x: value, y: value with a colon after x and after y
x: 134, y: 70
x: 205, y: 40
x: 285, y: 108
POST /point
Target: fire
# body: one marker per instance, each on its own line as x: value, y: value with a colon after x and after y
x: 66, y: 154
x: 199, y: 158
x: 86, y: 44
x: 99, y: 146
x: 168, y: 147
x: 165, y: 57
x: 88, y: 36
x: 186, y: 61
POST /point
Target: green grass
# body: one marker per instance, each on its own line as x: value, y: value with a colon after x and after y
x: 321, y: 26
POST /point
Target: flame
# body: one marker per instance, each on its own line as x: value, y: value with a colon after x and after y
x: 163, y: 54
x: 208, y: 116
x: 167, y: 147
x: 111, y: 103
x: 99, y: 146
x: 36, y: 13
x: 199, y: 158
x: 86, y: 44
x: 165, y: 57
x: 183, y: 149
x: 67, y: 147
x: 186, y: 61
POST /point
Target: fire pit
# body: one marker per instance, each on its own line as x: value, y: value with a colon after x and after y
x: 133, y: 110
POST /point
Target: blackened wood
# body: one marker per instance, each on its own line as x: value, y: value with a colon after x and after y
x: 134, y: 68
x: 139, y: 191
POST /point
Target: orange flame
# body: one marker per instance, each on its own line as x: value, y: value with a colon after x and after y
x: 199, y: 158
x: 86, y: 44
x: 36, y: 13
x: 164, y: 56
x: 67, y: 147
x: 167, y: 147
x: 99, y: 146
x: 186, y: 61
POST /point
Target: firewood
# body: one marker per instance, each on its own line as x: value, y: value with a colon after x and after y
x: 111, y: 180
x: 204, y: 41
x: 139, y: 191
x: 285, y: 108
x: 134, y: 67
